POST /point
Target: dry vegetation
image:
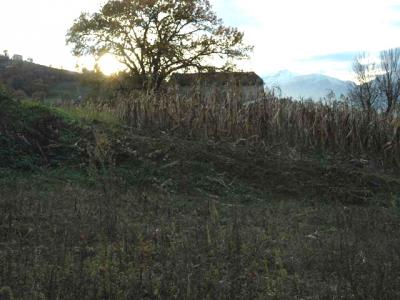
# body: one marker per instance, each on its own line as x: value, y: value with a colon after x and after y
x: 304, y: 127
x: 199, y: 199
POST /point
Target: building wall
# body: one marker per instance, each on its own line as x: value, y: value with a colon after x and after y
x: 243, y: 93
x: 17, y: 57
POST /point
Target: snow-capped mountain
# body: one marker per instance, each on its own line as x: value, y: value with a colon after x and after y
x: 315, y: 86
x: 280, y: 77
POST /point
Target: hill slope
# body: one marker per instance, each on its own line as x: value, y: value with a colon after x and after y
x: 26, y: 79
x: 32, y: 136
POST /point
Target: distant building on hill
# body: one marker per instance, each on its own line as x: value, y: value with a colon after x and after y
x: 17, y: 57
x: 246, y: 85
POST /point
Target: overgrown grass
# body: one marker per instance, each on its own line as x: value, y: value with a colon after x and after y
x: 89, y: 114
x: 107, y: 243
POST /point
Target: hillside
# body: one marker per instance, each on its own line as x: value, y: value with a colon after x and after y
x: 26, y: 79
x: 98, y: 209
x: 315, y: 86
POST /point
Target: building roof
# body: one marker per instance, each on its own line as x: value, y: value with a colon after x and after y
x: 217, y: 78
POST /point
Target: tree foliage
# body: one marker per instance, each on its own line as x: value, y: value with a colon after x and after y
x: 155, y: 38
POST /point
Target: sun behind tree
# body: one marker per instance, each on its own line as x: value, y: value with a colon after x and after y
x: 109, y: 64
x: 155, y: 38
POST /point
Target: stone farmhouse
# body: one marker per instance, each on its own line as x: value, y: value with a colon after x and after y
x: 246, y: 85
x: 17, y: 57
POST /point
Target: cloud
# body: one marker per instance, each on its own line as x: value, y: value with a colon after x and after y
x: 395, y: 7
x: 395, y: 23
x: 233, y: 15
x: 37, y: 29
x: 301, y: 35
x: 288, y: 34
x: 335, y: 57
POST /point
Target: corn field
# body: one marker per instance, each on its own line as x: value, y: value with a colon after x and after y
x: 268, y: 121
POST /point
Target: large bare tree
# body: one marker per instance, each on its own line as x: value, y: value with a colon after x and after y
x: 364, y: 92
x: 389, y: 79
x: 155, y: 38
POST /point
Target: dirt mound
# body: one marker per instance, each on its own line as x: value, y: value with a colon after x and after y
x: 34, y: 135
x: 214, y: 168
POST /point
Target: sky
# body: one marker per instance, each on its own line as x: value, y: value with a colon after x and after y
x: 303, y: 36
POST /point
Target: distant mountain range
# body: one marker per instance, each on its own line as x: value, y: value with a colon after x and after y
x: 315, y: 86
x: 28, y: 79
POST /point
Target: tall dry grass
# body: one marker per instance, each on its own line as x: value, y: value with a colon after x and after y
x: 268, y: 121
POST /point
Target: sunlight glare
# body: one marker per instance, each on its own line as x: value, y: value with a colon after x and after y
x: 109, y: 64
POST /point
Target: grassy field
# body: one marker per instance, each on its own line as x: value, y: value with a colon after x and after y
x: 94, y: 208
